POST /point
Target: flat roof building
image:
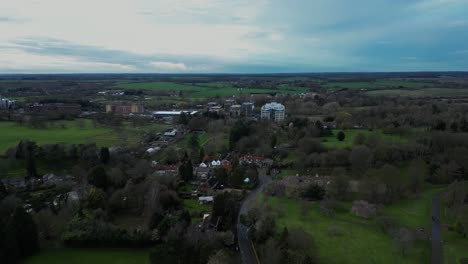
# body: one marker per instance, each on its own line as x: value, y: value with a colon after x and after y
x: 273, y: 112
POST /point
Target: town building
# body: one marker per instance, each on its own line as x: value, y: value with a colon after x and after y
x: 248, y: 109
x: 273, y: 112
x: 56, y: 108
x: 6, y: 103
x: 228, y: 103
x: 172, y: 115
x: 235, y: 110
x: 123, y: 108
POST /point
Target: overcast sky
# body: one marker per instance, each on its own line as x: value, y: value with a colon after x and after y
x: 237, y: 36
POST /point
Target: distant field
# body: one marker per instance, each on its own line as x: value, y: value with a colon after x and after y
x: 210, y: 89
x: 89, y: 256
x: 168, y: 86
x: 71, y: 133
x: 350, y: 134
x: 361, y: 240
x: 377, y: 84
x: 420, y: 92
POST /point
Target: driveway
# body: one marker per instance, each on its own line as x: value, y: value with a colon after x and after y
x: 436, y: 236
x: 247, y: 251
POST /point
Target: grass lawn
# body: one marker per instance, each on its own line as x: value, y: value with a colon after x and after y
x: 415, y: 211
x: 455, y: 247
x: 196, y: 209
x: 361, y: 240
x: 420, y: 92
x: 377, y: 84
x: 350, y: 134
x: 167, y: 86
x: 89, y: 256
x: 72, y: 133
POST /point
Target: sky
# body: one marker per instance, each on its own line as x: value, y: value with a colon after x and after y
x: 232, y: 36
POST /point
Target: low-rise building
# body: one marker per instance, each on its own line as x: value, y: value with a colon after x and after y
x: 124, y: 108
x: 56, y: 108
x: 235, y: 110
x: 172, y: 115
x: 273, y: 111
x: 248, y: 109
x: 6, y: 103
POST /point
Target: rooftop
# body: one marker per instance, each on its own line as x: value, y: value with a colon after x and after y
x: 273, y: 106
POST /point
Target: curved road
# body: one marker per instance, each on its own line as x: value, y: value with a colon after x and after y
x: 247, y: 251
x: 436, y: 234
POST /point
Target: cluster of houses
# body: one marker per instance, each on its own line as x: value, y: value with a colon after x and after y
x: 6, y: 103
x: 232, y: 108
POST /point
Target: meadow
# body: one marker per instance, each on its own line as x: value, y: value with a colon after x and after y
x: 168, y: 86
x: 377, y: 84
x: 209, y: 89
x: 350, y: 135
x: 359, y: 240
x: 72, y: 132
x: 427, y: 92
x: 89, y: 256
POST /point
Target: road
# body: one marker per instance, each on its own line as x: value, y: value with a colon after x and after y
x: 247, y: 251
x: 436, y: 236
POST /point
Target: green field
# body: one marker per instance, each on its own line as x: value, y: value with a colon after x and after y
x: 210, y: 89
x: 333, y: 142
x: 361, y: 241
x: 89, y: 256
x: 71, y: 132
x: 414, y: 212
x: 377, y: 84
x: 168, y: 86
x: 430, y: 92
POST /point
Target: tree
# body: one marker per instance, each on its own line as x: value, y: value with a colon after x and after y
x: 339, y: 187
x: 360, y: 158
x: 105, y: 155
x: 201, y: 154
x: 95, y: 198
x: 193, y: 141
x: 183, y: 119
x: 220, y: 257
x: 186, y: 169
x: 359, y: 139
x: 238, y: 131
x: 314, y: 192
x: 418, y: 171
x: 26, y: 232
x: 97, y: 177
x: 341, y: 136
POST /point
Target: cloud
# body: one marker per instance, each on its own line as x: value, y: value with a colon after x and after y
x: 164, y: 66
x: 458, y: 23
x: 238, y: 36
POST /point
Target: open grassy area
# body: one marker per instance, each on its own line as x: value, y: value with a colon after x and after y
x: 431, y: 92
x: 210, y: 89
x: 414, y: 212
x: 168, y: 86
x: 350, y: 134
x: 361, y: 240
x: 378, y: 84
x: 196, y: 209
x: 72, y: 132
x: 89, y: 256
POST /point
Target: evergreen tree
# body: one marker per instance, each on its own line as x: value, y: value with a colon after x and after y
x: 201, y: 154
x: 26, y: 232
x: 341, y: 136
x: 105, y: 155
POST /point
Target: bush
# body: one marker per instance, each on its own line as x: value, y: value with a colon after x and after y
x: 314, y: 192
x: 98, y: 177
